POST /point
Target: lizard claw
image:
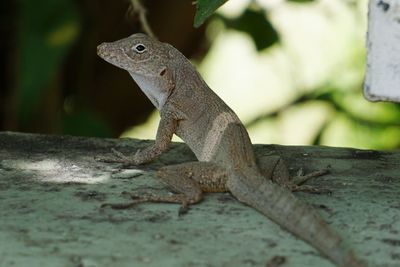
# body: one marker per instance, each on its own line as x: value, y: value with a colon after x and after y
x: 183, y: 209
x: 300, y: 172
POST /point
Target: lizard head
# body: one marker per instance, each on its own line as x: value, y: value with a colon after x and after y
x: 147, y: 61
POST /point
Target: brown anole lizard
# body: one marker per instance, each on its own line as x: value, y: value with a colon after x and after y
x: 191, y: 110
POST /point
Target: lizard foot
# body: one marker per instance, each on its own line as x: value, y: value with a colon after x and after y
x: 183, y: 209
x: 298, y: 181
x: 143, y: 198
x: 301, y: 178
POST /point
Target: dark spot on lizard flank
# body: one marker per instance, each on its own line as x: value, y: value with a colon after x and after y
x: 392, y: 242
x: 382, y: 4
x: 162, y: 73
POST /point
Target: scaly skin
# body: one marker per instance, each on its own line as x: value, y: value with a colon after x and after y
x: 191, y: 110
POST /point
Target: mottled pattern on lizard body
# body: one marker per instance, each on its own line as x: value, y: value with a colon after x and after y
x: 190, y: 109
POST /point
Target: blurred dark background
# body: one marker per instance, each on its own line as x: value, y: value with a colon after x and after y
x: 53, y: 82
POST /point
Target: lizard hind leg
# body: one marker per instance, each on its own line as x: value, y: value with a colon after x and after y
x: 187, y: 180
x: 299, y: 180
x: 275, y: 169
x: 190, y: 180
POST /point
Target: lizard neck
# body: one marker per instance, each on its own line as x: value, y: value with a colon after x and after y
x: 153, y: 90
x: 188, y: 82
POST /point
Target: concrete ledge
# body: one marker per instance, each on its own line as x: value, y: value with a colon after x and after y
x: 51, y: 189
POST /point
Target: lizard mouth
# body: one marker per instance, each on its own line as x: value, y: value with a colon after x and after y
x: 107, y: 51
x: 112, y: 54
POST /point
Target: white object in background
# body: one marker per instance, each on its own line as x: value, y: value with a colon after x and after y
x: 382, y: 81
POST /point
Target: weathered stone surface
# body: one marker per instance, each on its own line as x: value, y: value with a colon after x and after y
x: 51, y: 189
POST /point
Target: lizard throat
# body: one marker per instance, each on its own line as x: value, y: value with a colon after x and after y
x: 152, y: 90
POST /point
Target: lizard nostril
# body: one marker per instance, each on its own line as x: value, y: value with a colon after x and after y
x: 99, y: 49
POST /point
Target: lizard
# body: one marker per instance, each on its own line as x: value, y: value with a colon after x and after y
x: 220, y: 142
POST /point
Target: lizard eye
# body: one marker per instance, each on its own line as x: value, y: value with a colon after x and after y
x: 139, y: 48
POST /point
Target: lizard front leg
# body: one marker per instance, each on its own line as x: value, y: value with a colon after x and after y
x: 166, y: 129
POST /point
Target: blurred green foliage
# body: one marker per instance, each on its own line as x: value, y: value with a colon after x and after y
x: 353, y: 120
x: 47, y: 29
x: 85, y: 123
x: 204, y: 9
x: 373, y: 125
x: 254, y: 23
x: 301, y: 1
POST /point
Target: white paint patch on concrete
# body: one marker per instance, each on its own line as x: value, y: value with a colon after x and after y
x: 382, y: 81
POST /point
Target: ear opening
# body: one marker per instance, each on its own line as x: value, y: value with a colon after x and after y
x: 163, y: 71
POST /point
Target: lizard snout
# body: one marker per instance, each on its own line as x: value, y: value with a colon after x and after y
x: 101, y: 49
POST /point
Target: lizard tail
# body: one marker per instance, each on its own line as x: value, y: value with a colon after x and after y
x: 281, y: 206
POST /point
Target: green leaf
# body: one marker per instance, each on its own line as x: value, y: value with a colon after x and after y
x: 256, y: 24
x: 204, y: 9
